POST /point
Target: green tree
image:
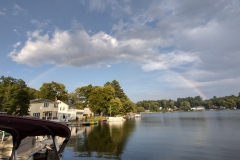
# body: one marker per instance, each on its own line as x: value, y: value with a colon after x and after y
x: 185, y: 106
x: 53, y: 90
x: 33, y: 93
x: 115, y: 107
x: 99, y: 100
x: 171, y: 104
x: 140, y: 109
x: 129, y: 106
x: 14, y: 96
x: 118, y: 90
x: 81, y: 95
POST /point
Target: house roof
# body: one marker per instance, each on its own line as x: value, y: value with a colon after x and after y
x: 41, y: 100
x: 70, y: 105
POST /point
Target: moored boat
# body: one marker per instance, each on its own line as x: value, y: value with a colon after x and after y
x: 88, y: 123
x: 137, y: 115
x: 115, y: 119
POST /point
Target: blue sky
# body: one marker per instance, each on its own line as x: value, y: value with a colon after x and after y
x: 155, y: 49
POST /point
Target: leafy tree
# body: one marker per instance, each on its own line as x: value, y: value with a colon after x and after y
x: 238, y: 102
x: 171, y: 104
x: 231, y: 103
x: 81, y: 95
x: 73, y: 98
x: 99, y: 100
x: 119, y: 93
x: 140, y: 109
x: 115, y: 107
x: 126, y: 104
x: 54, y: 90
x: 14, y: 96
x: 129, y: 106
x: 33, y: 93
x: 185, y: 106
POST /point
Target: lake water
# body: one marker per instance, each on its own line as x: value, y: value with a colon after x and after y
x: 208, y: 135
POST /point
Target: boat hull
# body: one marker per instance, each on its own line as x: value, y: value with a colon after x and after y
x: 115, y: 119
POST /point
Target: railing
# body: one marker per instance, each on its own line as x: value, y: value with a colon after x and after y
x: 49, y: 118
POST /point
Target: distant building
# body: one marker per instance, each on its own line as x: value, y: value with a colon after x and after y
x: 87, y: 111
x: 198, y: 108
x: 175, y: 108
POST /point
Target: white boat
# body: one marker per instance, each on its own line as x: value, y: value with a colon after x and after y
x: 137, y: 115
x: 115, y: 119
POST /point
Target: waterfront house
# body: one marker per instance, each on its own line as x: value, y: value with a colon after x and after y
x: 87, y: 111
x: 57, y: 110
x: 67, y: 111
x: 43, y: 108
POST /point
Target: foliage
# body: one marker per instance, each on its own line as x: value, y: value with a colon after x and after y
x: 99, y: 100
x: 185, y: 106
x: 53, y: 90
x: 81, y: 96
x: 140, y: 109
x: 14, y: 96
x: 33, y: 93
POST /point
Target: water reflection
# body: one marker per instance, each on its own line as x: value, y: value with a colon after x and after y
x: 105, y: 140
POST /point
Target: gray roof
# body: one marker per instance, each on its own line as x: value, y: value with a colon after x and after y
x: 41, y: 100
x: 70, y: 105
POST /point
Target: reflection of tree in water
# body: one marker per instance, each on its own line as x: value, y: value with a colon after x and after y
x: 105, y: 140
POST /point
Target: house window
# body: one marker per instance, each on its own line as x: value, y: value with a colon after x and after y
x: 46, y: 104
x: 55, y: 105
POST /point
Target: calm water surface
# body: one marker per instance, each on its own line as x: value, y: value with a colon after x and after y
x: 211, y: 135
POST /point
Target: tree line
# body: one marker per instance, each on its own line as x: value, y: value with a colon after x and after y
x: 15, y: 98
x: 185, y: 104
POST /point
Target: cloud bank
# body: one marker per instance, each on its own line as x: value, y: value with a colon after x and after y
x: 197, y: 39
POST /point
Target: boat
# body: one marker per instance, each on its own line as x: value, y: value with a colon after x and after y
x: 88, y: 123
x: 137, y: 115
x: 115, y: 119
x: 22, y: 127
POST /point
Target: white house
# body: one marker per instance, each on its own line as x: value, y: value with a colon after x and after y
x: 68, y: 111
x: 198, y: 108
x: 57, y: 110
x: 87, y: 111
x: 43, y: 108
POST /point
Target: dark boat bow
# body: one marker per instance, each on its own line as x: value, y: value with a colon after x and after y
x: 21, y: 127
